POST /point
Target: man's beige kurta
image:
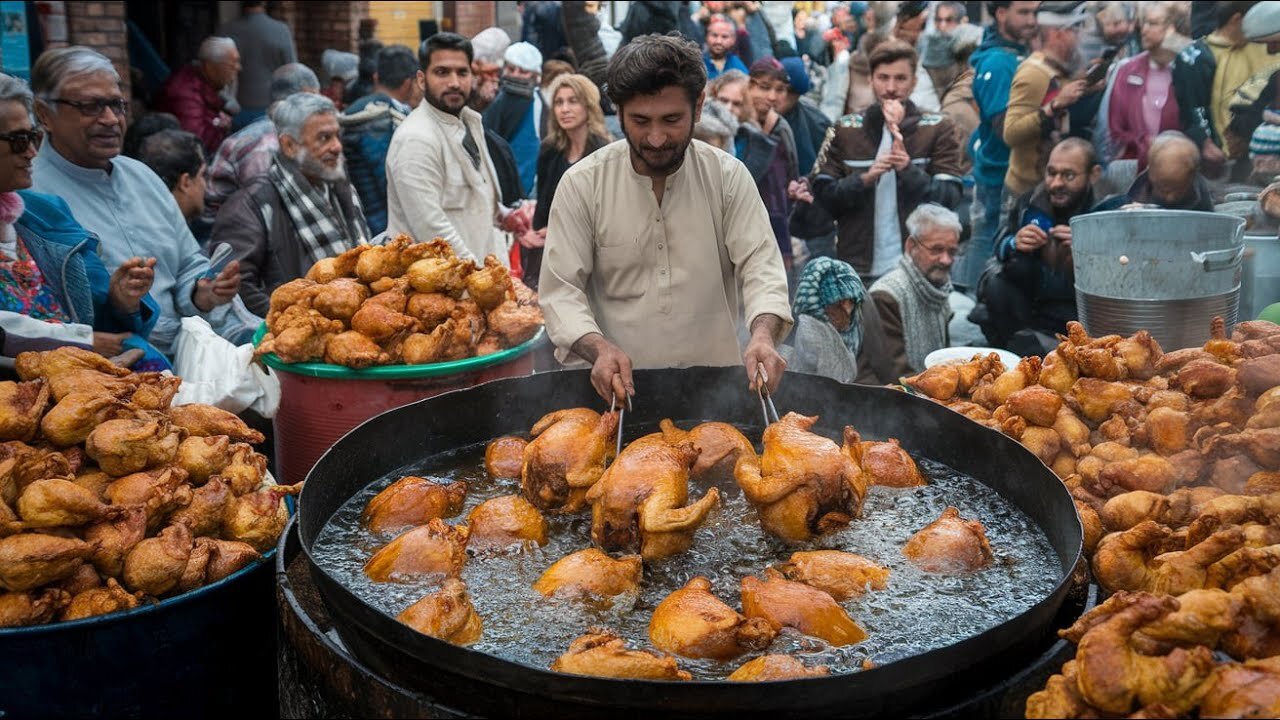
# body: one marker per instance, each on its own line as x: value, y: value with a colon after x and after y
x: 670, y: 285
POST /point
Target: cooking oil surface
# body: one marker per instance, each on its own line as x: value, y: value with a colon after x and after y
x: 916, y: 613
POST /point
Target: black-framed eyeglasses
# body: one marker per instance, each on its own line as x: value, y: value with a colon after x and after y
x: 20, y: 140
x: 93, y: 108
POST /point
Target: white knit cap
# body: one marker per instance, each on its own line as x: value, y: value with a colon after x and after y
x: 489, y: 44
x: 524, y: 56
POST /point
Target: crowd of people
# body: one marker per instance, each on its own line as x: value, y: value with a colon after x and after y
x: 845, y: 168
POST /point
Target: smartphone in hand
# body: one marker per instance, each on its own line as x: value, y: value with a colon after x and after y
x: 218, y: 260
x: 1099, y: 70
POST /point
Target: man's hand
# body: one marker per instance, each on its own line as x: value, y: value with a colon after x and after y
x: 518, y: 221
x: 1061, y: 233
x: 610, y: 367
x: 533, y: 239
x: 894, y: 112
x: 1068, y: 95
x: 109, y: 344
x: 897, y: 157
x: 209, y: 294
x: 798, y: 190
x: 761, y: 357
x: 878, y: 168
x: 129, y: 283
x: 1214, y: 159
x: 1030, y: 238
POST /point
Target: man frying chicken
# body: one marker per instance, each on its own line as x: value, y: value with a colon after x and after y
x: 659, y: 248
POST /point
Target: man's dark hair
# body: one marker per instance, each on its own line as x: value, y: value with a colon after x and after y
x: 911, y: 9
x: 650, y: 63
x: 395, y: 64
x: 1081, y: 146
x: 1228, y: 10
x: 891, y: 51
x: 171, y: 153
x: 444, y: 41
x: 143, y: 128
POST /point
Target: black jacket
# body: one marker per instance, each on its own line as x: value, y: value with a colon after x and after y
x: 1193, y: 87
x: 1200, y: 199
x: 504, y: 163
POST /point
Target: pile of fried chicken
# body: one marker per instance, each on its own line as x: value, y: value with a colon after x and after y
x: 403, y: 302
x: 1173, y: 459
x: 803, y: 485
x: 110, y: 497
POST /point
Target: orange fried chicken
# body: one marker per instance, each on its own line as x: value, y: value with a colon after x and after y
x: 430, y: 309
x: 514, y: 323
x: 412, y: 501
x: 490, y: 285
x: 121, y: 447
x: 440, y: 275
x: 29, y: 560
x: 431, y: 549
x: 70, y: 421
x: 32, y: 365
x: 355, y: 351
x: 950, y: 545
x: 503, y: 521
x: 20, y: 609
x: 56, y: 502
x: 100, y: 601
x: 379, y: 323
x: 208, y: 506
x: 567, y: 455
x: 339, y: 299
x: 259, y: 517
x: 795, y: 605
x: 694, y: 623
x: 775, y: 667
x: 156, y: 565
x: 504, y: 457
x: 446, y: 614
x: 202, y: 457
x: 21, y: 405
x: 427, y: 348
x: 1243, y: 690
x: 842, y: 575
x: 883, y: 463
x: 603, y: 654
x: 201, y: 420
x: 591, y: 573
x: 299, y: 336
x: 720, y: 446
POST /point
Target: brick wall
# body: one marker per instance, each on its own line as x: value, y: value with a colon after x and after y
x: 472, y: 17
x: 100, y: 25
x: 318, y: 26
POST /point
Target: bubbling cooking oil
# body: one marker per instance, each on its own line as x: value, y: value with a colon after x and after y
x: 917, y: 611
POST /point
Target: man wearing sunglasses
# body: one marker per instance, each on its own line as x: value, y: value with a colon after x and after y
x: 79, y: 102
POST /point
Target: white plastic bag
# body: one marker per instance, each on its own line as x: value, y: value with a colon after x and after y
x: 215, y: 372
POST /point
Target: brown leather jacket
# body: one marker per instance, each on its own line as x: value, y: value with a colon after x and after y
x: 848, y: 151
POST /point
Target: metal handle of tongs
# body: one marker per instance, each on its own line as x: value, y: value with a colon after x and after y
x: 622, y: 413
x: 766, y: 400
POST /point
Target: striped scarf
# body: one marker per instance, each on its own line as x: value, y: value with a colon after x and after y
x: 322, y: 226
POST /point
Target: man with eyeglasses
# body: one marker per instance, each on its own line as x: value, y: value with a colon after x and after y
x: 914, y: 299
x: 1027, y: 294
x: 79, y: 102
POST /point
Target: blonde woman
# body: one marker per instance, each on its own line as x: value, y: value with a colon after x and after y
x: 575, y: 129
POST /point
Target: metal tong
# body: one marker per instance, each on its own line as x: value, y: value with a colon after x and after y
x: 766, y: 400
x: 622, y: 413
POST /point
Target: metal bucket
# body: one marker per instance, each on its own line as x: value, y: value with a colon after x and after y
x: 1260, y: 285
x: 1166, y: 271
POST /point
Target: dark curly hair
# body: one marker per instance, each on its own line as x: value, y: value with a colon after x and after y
x: 650, y: 63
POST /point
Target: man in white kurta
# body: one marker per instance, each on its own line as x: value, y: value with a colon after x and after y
x: 660, y: 247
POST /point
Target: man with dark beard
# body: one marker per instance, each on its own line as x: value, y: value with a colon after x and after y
x: 656, y: 242
x: 302, y: 210
x: 1028, y: 294
x: 441, y: 180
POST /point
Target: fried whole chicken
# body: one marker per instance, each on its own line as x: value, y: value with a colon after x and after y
x: 950, y: 545
x: 883, y: 463
x: 720, y: 446
x: 205, y: 512
x: 694, y: 623
x: 504, y: 457
x: 158, y: 492
x: 490, y: 285
x: 446, y: 614
x: 842, y: 575
x: 201, y: 420
x: 70, y: 421
x: 203, y: 457
x: 603, y: 654
x: 121, y: 447
x: 20, y: 609
x: 156, y: 565
x: 431, y: 549
x: 21, y: 405
x: 775, y: 667
x: 504, y: 521
x: 29, y: 560
x: 56, y: 502
x: 112, y: 540
x: 68, y: 358
x: 100, y: 601
x: 515, y: 323
x: 591, y: 573
x: 566, y: 456
x: 639, y: 503
x: 258, y: 518
x: 795, y: 605
x: 339, y: 299
x: 1243, y: 690
x: 412, y: 501
x: 804, y: 483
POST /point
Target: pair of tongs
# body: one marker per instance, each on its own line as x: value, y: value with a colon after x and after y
x: 766, y: 400
x: 622, y: 413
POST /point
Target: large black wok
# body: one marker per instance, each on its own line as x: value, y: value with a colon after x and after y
x: 484, y: 684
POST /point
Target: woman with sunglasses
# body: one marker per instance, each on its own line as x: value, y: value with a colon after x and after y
x: 54, y: 290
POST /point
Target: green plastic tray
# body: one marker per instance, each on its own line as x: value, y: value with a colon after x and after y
x: 396, y: 372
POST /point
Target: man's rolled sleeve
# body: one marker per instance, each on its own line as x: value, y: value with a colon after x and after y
x: 567, y: 264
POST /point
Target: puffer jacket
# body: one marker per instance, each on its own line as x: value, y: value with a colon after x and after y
x: 367, y: 126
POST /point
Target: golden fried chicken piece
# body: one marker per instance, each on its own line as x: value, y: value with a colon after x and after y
x: 354, y: 350
x: 201, y: 420
x: 567, y: 455
x: 1058, y: 372
x: 603, y: 654
x: 1045, y: 443
x: 883, y: 463
x: 694, y: 623
x: 202, y: 457
x: 1121, y: 559
x: 56, y: 502
x: 720, y: 446
x: 259, y: 517
x: 299, y: 291
x: 159, y: 492
x: 32, y: 365
x: 1203, y: 617
x: 339, y: 299
x: 100, y: 601
x: 504, y: 457
x: 29, y: 560
x: 226, y: 557
x: 775, y: 667
x: 9, y: 523
x: 515, y: 323
x: 524, y: 295
x: 940, y: 382
x: 1128, y: 509
x: 503, y: 521
x: 85, y: 577
x: 152, y: 390
x: 344, y: 265
x: 591, y: 573
x: 468, y: 328
x: 21, y: 405
x: 1060, y: 698
x: 1090, y: 466
x: 1145, y: 472
x: 1037, y: 404
x: 639, y: 502
x: 1140, y: 353
x: 440, y: 275
x: 993, y: 394
x: 446, y: 614
x: 381, y: 261
x: 1242, y: 564
x: 412, y: 501
x: 378, y: 322
x: 1260, y: 445
x: 804, y: 483
x: 431, y: 549
x: 1115, y: 678
x: 112, y: 540
x: 1096, y: 358
x: 300, y: 337
x: 20, y: 609
x: 490, y: 342
x: 427, y: 348
x: 490, y: 285
x: 1099, y: 399
x: 90, y: 383
x: 1167, y: 430
x: 1073, y: 433
x: 1177, y: 572
x: 950, y: 545
x: 1243, y: 690
x: 842, y: 575
x: 430, y: 309
x: 795, y: 605
x: 208, y: 506
x: 70, y: 421
x: 246, y: 471
x: 156, y: 565
x: 1205, y: 378
x: 1091, y: 523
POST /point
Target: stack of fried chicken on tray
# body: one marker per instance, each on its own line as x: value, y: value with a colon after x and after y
x: 802, y: 485
x: 403, y: 302
x: 111, y: 498
x: 1173, y: 459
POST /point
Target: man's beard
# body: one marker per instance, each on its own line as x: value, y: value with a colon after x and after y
x: 439, y: 103
x: 313, y: 169
x: 1073, y: 201
x: 677, y: 152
